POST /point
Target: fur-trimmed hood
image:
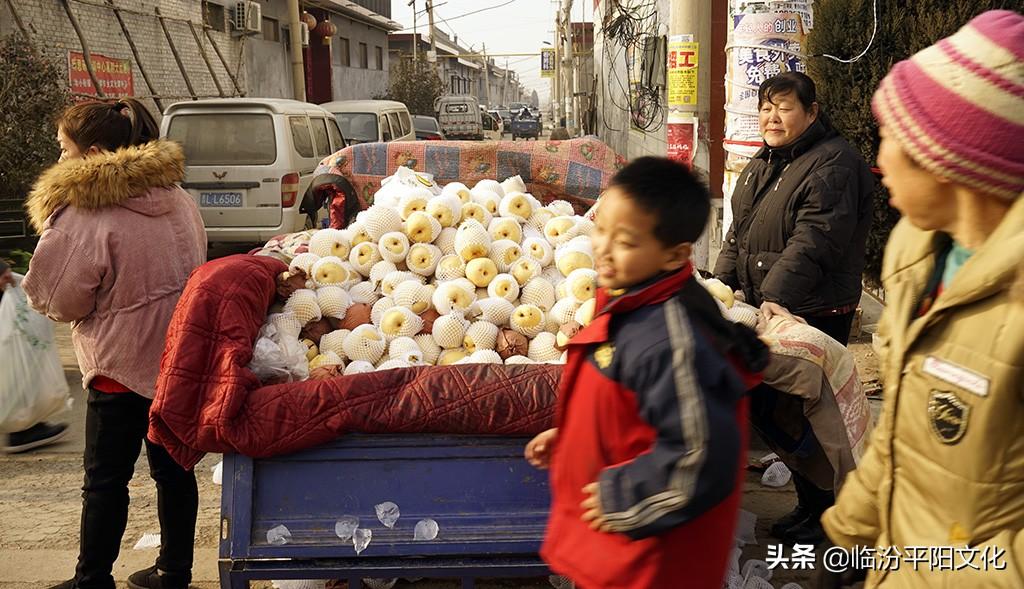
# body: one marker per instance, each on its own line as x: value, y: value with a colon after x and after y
x: 115, y: 178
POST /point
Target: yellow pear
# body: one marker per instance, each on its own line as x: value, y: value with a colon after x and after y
x: 447, y: 210
x: 449, y: 357
x: 481, y: 271
x: 422, y: 228
x: 400, y: 322
x: 477, y: 212
x: 412, y: 202
x: 570, y: 261
x: 581, y: 284
x: 517, y: 206
x: 585, y: 314
x: 721, y: 291
x: 528, y: 320
x: 449, y: 297
x: 525, y: 269
x: 423, y: 258
x: 459, y: 190
x: 359, y: 234
x: 504, y: 286
x: 311, y: 349
x: 506, y: 228
x: 329, y: 270
x: 394, y: 246
x: 559, y: 230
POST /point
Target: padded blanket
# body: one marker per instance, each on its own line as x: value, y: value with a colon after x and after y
x: 207, y: 399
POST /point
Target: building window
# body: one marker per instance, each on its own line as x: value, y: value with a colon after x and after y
x: 364, y: 57
x: 213, y: 16
x: 380, y: 58
x: 271, y: 30
x: 345, y: 58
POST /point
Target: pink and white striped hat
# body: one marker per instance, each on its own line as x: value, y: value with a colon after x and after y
x: 957, y: 107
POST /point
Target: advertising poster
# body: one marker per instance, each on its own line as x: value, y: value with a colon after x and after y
x: 682, y: 138
x: 682, y: 71
x: 547, y: 63
x: 114, y: 75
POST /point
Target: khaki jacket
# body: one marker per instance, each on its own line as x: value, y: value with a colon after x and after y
x: 945, y: 466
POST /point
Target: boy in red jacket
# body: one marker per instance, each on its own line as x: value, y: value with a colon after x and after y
x: 647, y: 453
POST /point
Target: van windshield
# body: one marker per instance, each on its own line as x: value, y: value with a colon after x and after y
x: 358, y: 127
x: 225, y: 139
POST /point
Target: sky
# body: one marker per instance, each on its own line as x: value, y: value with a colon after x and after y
x: 521, y: 26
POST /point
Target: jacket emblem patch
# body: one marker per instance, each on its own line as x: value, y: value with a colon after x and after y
x: 603, y: 355
x: 948, y: 416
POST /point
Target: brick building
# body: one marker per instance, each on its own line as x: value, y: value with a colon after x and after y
x: 218, y: 54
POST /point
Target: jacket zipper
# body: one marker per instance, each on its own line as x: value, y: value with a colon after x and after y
x: 781, y: 174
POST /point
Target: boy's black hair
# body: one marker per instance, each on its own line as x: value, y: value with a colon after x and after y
x: 667, y: 190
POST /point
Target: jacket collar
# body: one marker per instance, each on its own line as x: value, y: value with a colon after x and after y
x: 787, y: 153
x: 105, y: 179
x: 657, y: 290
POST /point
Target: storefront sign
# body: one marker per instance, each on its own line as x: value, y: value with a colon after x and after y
x: 547, y: 63
x: 682, y: 71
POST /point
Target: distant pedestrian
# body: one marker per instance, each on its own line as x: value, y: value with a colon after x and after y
x: 118, y: 241
x: 42, y: 433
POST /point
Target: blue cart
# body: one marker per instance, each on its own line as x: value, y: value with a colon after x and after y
x: 489, y: 505
x: 525, y: 128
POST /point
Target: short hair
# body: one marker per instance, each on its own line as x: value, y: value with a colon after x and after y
x: 800, y: 84
x: 667, y: 190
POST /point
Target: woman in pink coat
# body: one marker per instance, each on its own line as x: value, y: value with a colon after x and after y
x: 118, y: 240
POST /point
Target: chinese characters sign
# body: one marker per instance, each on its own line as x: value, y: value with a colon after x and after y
x: 547, y: 63
x: 682, y: 71
x: 114, y: 75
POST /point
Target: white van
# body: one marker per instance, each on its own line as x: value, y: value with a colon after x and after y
x: 248, y: 161
x: 460, y: 117
x: 369, y: 121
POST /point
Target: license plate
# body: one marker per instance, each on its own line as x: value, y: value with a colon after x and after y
x: 220, y: 199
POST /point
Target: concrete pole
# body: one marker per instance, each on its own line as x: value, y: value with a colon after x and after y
x: 430, y: 13
x: 295, y: 48
x: 487, y: 79
x: 557, y: 80
x: 568, y: 72
x: 694, y: 18
x: 415, y: 37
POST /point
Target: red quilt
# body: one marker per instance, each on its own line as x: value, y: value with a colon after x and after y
x: 207, y: 400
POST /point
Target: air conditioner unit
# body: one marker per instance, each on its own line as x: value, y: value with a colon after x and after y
x: 248, y: 17
x: 304, y: 33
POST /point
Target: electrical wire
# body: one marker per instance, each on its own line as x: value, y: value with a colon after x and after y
x: 486, y: 8
x: 874, y: 30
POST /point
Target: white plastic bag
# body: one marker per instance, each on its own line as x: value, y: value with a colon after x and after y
x: 32, y: 383
x: 278, y: 357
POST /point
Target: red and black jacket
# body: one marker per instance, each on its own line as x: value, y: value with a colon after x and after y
x: 650, y: 408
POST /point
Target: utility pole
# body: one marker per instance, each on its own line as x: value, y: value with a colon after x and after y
x: 430, y: 14
x: 694, y: 18
x: 295, y: 48
x: 568, y: 72
x: 487, y: 79
x: 415, y: 36
x: 557, y: 101
x: 504, y: 84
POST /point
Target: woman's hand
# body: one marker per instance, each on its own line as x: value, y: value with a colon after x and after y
x: 769, y: 310
x: 539, y: 449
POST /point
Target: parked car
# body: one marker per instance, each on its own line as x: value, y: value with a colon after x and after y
x: 249, y: 160
x: 492, y: 126
x: 460, y: 117
x: 369, y: 121
x: 427, y: 128
x: 506, y: 119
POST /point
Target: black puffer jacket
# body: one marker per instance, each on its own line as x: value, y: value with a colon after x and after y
x: 801, y: 215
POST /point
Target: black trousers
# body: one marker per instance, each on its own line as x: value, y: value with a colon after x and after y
x: 796, y: 432
x: 115, y: 428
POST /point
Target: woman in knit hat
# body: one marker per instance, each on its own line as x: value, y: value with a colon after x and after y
x: 945, y: 466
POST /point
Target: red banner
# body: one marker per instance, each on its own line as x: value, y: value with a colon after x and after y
x: 114, y: 75
x: 682, y: 139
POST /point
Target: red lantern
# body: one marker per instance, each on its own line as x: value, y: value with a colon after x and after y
x: 310, y: 20
x: 326, y: 28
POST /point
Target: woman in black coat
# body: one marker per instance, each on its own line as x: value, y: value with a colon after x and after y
x: 801, y: 214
